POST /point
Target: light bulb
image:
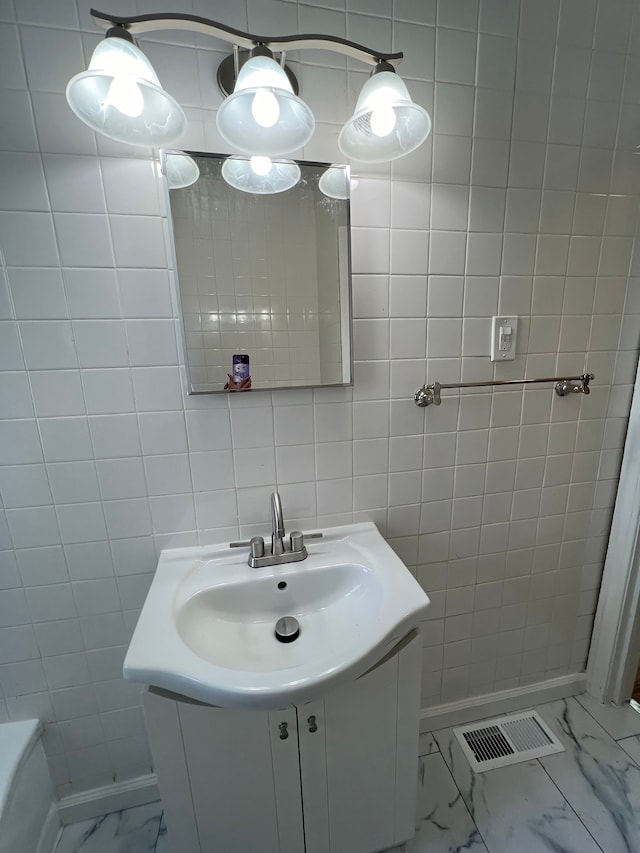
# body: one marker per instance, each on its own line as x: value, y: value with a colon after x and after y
x: 264, y: 108
x: 260, y: 165
x: 383, y: 120
x: 124, y: 94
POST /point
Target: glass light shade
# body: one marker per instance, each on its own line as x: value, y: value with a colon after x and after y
x: 263, y: 116
x: 181, y: 170
x: 260, y: 175
x: 335, y: 182
x: 386, y: 123
x: 121, y: 97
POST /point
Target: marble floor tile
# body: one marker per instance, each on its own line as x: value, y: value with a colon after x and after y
x: 517, y: 809
x: 444, y: 824
x: 427, y: 744
x: 617, y: 720
x: 596, y: 777
x: 131, y: 831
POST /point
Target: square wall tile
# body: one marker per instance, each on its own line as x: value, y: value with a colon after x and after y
x: 447, y: 253
x: 138, y: 241
x: 101, y: 343
x: 81, y: 522
x: 454, y: 108
x: 115, y: 436
x: 130, y: 186
x: 151, y: 342
x: 24, y: 485
x: 57, y: 393
x: 37, y: 293
x: 10, y: 346
x: 409, y: 252
x: 22, y: 182
x: 65, y: 439
x: 407, y: 338
x: 74, y: 184
x: 15, y: 395
x: 48, y: 344
x: 369, y: 250
x: 92, y: 294
x: 145, y: 293
x: 21, y: 134
x: 407, y: 296
x: 84, y: 240
x: 496, y: 62
x: 455, y: 56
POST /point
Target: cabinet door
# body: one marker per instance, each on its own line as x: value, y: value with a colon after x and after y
x: 229, y: 780
x: 233, y: 759
x: 352, y: 765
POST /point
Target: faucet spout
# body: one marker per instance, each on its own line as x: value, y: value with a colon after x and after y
x: 277, y: 523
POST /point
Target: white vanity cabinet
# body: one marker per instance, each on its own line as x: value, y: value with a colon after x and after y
x: 336, y: 775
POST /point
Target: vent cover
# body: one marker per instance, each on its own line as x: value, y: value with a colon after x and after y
x: 506, y: 740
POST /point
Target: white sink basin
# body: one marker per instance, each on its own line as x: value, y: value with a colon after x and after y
x: 207, y: 628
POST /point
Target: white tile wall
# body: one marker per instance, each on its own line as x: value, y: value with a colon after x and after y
x: 524, y: 200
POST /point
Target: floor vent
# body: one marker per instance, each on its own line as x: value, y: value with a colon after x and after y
x: 506, y: 740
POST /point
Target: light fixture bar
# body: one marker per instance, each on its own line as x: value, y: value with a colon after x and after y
x: 139, y: 24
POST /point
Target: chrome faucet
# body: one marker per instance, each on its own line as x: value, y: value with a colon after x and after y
x: 279, y: 551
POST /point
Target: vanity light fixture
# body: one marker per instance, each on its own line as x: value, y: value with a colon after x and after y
x: 386, y: 123
x: 262, y: 115
x: 260, y: 175
x: 120, y: 96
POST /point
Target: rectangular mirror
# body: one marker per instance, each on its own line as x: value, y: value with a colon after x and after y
x: 263, y: 272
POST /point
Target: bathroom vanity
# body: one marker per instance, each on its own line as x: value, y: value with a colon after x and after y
x: 335, y: 775
x: 283, y: 742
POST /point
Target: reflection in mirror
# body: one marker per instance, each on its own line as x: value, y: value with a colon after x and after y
x: 261, y: 255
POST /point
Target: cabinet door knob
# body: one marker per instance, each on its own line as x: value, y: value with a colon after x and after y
x: 313, y: 726
x: 284, y: 734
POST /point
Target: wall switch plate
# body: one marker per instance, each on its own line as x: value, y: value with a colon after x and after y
x: 504, y: 334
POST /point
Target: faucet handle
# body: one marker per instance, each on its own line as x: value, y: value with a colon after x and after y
x: 256, y: 544
x: 297, y: 540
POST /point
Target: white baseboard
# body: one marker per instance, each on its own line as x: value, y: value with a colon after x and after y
x: 50, y: 833
x: 501, y: 702
x: 109, y: 798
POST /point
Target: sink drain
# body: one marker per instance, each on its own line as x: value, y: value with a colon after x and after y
x: 287, y: 629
